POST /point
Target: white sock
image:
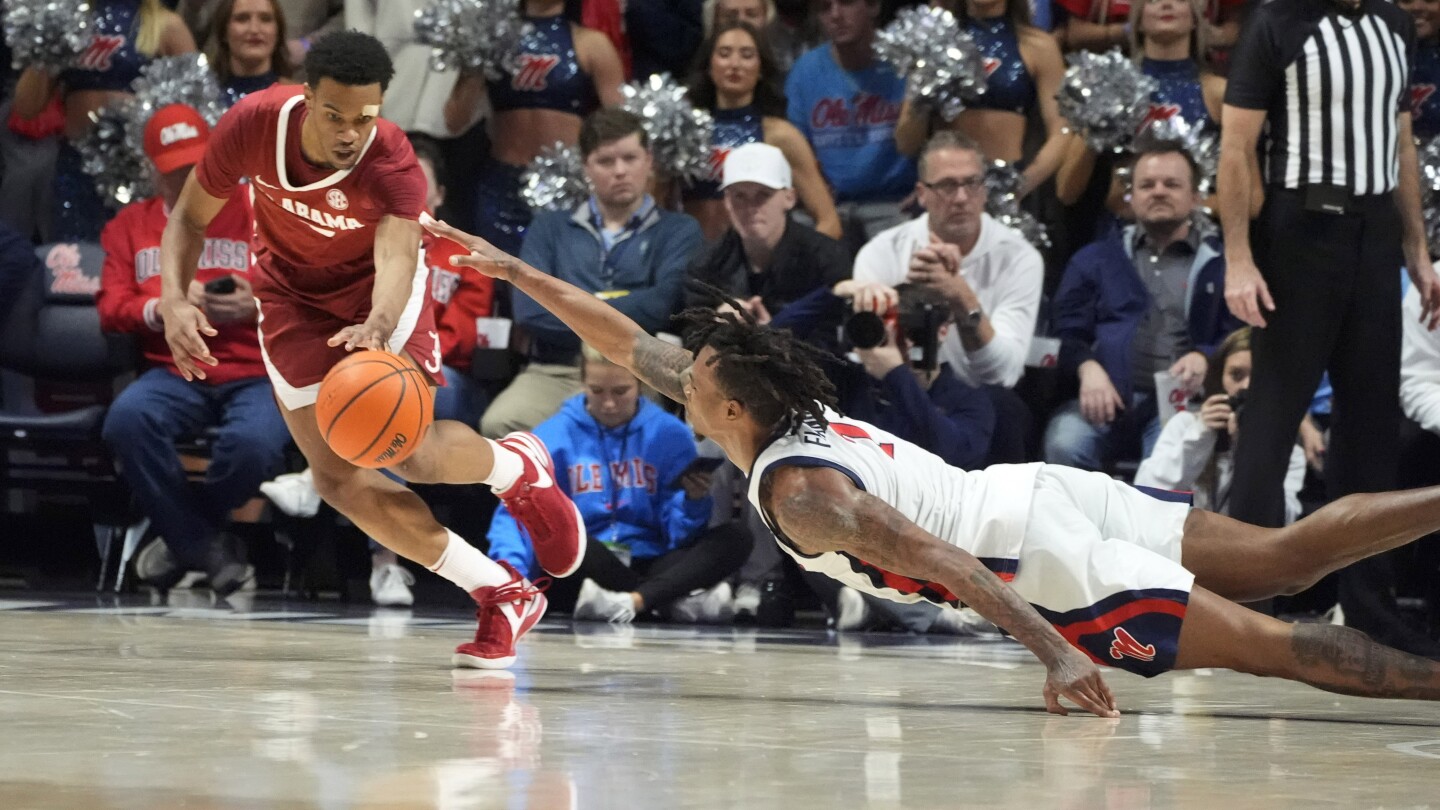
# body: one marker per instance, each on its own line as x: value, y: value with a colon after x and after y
x: 464, y: 565
x: 507, y: 468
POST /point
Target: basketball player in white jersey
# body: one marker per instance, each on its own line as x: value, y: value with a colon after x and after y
x: 1079, y: 568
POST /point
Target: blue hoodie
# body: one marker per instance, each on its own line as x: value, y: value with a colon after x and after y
x: 649, y: 512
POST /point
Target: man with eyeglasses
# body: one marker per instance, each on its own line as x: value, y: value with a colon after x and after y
x: 987, y: 273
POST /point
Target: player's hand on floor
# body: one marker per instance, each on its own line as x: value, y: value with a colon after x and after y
x: 1077, y: 679
x: 361, y: 336
x: 184, y: 325
x: 485, y: 257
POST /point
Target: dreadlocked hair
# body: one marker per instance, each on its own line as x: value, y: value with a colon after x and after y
x: 773, y: 374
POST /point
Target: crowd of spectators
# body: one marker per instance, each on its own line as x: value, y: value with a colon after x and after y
x: 832, y: 196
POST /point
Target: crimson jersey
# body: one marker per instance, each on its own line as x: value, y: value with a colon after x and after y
x: 130, y: 284
x: 314, y: 226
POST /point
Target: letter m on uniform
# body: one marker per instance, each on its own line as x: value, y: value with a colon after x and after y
x: 533, y: 70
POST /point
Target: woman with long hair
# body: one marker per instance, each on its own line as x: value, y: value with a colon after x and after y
x: 737, y: 81
x: 246, y: 47
x: 1027, y: 73
x: 566, y: 72
x: 1193, y: 451
x: 127, y: 35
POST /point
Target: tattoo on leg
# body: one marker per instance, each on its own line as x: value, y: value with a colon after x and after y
x: 1345, y: 660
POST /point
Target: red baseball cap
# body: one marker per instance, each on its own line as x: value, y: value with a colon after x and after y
x: 175, y: 137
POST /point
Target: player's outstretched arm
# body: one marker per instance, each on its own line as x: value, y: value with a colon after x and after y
x: 820, y: 510
x: 397, y: 255
x: 180, y: 248
x: 610, y: 331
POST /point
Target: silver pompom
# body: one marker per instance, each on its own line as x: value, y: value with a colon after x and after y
x: 121, y: 172
x: 46, y: 33
x: 479, y: 35
x: 113, y: 152
x: 1106, y: 97
x: 939, y: 60
x: 1003, y: 183
x: 1430, y: 190
x: 679, y: 133
x: 1200, y: 140
x: 555, y: 180
x: 183, y: 79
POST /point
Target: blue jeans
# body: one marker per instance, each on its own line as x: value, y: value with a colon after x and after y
x: 460, y: 398
x: 1074, y: 442
x: 160, y: 408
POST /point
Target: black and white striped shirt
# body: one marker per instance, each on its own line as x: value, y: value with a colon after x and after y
x: 1332, y: 85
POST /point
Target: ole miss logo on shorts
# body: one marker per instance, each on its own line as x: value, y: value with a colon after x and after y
x: 1125, y: 646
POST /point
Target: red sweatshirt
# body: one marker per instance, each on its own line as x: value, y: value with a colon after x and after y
x: 461, y: 295
x: 130, y: 283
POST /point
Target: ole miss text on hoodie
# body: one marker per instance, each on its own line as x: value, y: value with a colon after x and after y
x: 624, y: 481
x: 130, y: 284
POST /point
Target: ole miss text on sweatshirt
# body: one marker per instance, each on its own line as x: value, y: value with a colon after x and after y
x: 130, y: 284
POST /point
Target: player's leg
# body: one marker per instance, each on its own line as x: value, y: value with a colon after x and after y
x: 399, y: 520
x: 1246, y: 563
x: 518, y: 467
x: 1220, y: 633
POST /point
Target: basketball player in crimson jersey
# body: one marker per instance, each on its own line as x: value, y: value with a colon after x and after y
x: 337, y: 192
x: 1081, y: 569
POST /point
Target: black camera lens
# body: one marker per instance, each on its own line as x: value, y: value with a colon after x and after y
x: 865, y: 330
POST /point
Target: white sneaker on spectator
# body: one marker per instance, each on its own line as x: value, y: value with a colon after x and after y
x: 597, y: 604
x: 747, y: 601
x: 390, y: 586
x: 963, y: 622
x: 293, y: 493
x: 710, y: 606
x: 852, y: 613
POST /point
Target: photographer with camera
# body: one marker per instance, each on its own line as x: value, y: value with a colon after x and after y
x: 1193, y: 453
x: 1146, y: 300
x: 161, y: 407
x: 989, y: 276
x: 897, y: 382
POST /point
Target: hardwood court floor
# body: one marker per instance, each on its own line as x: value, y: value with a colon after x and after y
x: 126, y: 705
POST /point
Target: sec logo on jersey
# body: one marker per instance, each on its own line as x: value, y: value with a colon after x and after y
x: 336, y: 199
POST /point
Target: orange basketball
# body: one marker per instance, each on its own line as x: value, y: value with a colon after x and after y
x: 374, y: 408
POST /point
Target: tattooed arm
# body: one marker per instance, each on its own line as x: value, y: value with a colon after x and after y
x: 820, y: 510
x: 610, y: 331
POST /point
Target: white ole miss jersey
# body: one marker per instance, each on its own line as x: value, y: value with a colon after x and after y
x: 983, y: 512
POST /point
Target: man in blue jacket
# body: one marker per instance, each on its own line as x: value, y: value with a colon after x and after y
x: 1148, y: 299
x: 627, y: 465
x: 618, y: 244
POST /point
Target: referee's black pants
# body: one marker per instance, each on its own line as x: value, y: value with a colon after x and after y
x: 1335, y: 280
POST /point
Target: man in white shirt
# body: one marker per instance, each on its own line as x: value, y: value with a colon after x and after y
x: 988, y: 273
x: 990, y: 276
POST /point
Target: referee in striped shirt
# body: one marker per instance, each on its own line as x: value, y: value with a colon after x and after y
x: 1325, y: 82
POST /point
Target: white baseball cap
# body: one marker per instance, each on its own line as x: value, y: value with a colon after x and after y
x: 757, y: 163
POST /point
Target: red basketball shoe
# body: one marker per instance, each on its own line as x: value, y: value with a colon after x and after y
x: 537, y: 503
x: 505, y: 613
